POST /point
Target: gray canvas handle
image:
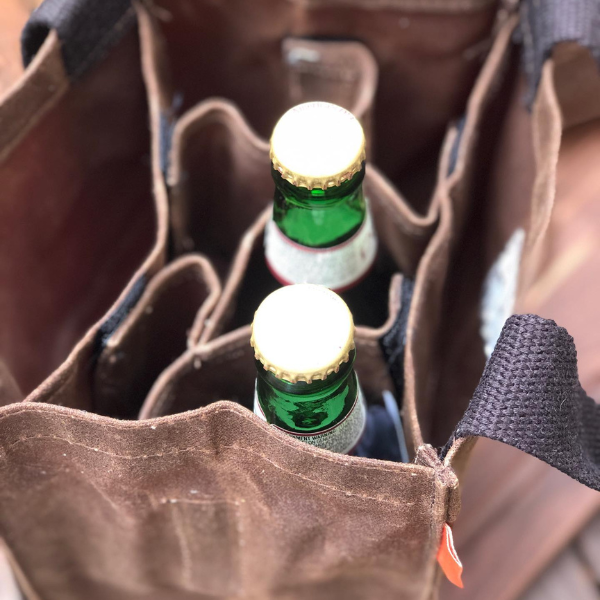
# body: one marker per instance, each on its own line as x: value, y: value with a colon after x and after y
x: 545, y: 23
x: 87, y: 29
x: 530, y: 397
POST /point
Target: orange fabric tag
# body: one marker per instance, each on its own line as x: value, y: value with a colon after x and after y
x: 448, y: 559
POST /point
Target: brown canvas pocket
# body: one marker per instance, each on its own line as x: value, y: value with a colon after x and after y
x: 530, y: 157
x: 344, y: 73
x: 77, y: 214
x: 134, y: 506
x: 223, y: 368
x: 428, y: 55
x: 168, y: 317
x: 219, y: 172
x: 219, y: 180
x: 445, y: 354
x: 220, y: 185
x: 405, y: 233
x: 405, y: 225
x: 113, y: 366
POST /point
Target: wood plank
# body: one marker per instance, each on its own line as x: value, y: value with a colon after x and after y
x: 14, y: 15
x: 566, y: 578
x: 588, y: 545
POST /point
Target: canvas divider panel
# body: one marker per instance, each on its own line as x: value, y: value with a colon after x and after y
x: 79, y: 221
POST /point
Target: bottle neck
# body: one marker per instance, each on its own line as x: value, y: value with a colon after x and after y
x: 319, y: 218
x: 305, y: 408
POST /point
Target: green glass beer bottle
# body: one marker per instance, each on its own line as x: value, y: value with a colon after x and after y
x: 303, y: 340
x: 322, y: 231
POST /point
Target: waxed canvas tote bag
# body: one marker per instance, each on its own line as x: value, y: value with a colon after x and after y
x: 134, y: 169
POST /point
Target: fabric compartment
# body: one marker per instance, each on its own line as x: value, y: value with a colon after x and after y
x: 77, y: 217
x: 168, y: 318
x: 428, y: 56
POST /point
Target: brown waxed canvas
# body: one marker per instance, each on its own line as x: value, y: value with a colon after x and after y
x: 205, y: 504
x: 433, y: 284
x: 346, y: 74
x: 200, y: 498
x: 216, y: 154
x: 77, y: 217
x: 174, y: 305
x: 149, y: 526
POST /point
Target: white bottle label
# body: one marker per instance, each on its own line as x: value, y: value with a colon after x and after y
x: 338, y: 267
x: 500, y: 291
x: 341, y: 438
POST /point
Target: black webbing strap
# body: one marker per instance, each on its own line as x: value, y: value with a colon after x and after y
x: 87, y: 29
x: 530, y: 397
x: 393, y: 343
x: 114, y: 320
x: 545, y: 23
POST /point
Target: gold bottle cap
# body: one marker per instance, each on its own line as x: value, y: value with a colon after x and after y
x: 318, y: 145
x: 302, y: 332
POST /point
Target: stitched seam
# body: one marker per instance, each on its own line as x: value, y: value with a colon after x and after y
x: 164, y: 400
x: 201, y: 451
x: 201, y: 417
x: 431, y: 540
